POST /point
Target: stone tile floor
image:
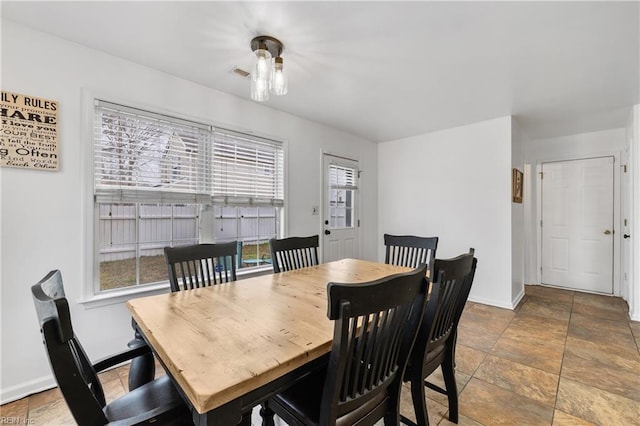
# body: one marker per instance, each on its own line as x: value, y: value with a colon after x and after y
x: 560, y: 358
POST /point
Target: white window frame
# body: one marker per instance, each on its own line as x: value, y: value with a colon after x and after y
x: 91, y: 295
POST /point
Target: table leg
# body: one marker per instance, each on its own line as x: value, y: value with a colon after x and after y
x: 246, y: 419
x: 267, y: 415
x: 143, y: 368
x: 227, y: 415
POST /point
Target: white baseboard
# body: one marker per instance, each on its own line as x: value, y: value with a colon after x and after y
x: 517, y: 299
x: 16, y: 392
x: 493, y: 302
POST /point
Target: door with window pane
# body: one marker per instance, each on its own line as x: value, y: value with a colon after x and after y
x: 340, y: 216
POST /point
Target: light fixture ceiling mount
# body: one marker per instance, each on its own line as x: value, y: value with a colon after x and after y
x: 271, y: 44
x: 268, y: 73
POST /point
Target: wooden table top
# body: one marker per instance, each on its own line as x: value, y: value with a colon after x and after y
x: 223, y: 341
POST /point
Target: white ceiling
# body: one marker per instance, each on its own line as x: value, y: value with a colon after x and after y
x: 386, y: 70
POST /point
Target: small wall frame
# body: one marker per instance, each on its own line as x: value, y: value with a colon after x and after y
x: 516, y: 185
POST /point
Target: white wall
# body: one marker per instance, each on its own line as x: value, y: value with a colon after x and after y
x: 518, y: 139
x: 574, y: 146
x: 454, y: 184
x: 43, y: 220
x: 584, y: 145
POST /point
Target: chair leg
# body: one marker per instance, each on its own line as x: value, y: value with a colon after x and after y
x: 392, y: 419
x: 392, y: 416
x: 419, y: 401
x: 267, y: 415
x: 448, y: 372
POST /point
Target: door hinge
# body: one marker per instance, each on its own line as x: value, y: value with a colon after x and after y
x: 358, y: 223
x: 540, y: 223
x: 624, y: 168
x: 541, y: 175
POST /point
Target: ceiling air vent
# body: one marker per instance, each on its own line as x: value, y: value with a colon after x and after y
x: 240, y: 72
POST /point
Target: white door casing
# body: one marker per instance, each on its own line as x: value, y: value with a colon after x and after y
x: 340, y: 230
x: 577, y: 224
x: 625, y: 226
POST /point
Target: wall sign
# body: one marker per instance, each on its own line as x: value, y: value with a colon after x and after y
x: 29, y: 136
x: 516, y: 186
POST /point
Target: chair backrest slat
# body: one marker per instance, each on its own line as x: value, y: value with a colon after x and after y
x: 409, y: 250
x: 375, y: 326
x: 71, y: 367
x: 294, y: 253
x: 201, y: 265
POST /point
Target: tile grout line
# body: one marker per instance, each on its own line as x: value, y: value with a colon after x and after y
x: 564, y: 352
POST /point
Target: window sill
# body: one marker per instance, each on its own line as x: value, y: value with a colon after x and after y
x: 254, y: 271
x: 113, y: 297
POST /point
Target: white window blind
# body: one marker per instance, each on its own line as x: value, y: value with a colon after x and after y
x: 140, y: 156
x: 247, y: 170
x: 341, y: 177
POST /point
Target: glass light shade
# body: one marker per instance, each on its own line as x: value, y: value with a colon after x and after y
x: 259, y: 89
x: 262, y: 67
x: 260, y: 75
x: 278, y: 82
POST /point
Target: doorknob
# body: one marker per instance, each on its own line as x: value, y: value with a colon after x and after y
x: 625, y: 236
x: 327, y: 232
x: 607, y: 232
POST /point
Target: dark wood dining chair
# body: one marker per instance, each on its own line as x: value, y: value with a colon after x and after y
x: 294, y: 253
x: 435, y: 344
x: 155, y: 402
x: 201, y: 265
x: 375, y: 326
x: 409, y: 250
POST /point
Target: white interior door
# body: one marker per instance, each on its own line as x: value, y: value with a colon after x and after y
x: 577, y: 224
x: 340, y: 213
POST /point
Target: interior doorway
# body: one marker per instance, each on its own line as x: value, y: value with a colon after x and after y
x: 577, y: 224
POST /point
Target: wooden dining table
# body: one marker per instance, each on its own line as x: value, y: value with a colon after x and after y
x: 229, y: 347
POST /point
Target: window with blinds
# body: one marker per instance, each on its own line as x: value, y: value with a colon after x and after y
x: 144, y: 157
x: 140, y: 156
x: 164, y: 181
x: 246, y: 170
x: 343, y: 185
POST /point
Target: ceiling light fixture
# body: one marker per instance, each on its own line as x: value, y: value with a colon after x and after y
x: 268, y: 73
